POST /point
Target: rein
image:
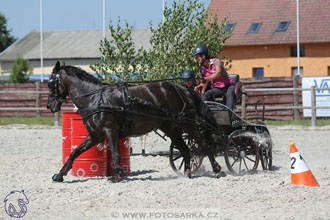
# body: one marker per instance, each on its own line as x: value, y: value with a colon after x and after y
x: 83, y: 95
x: 152, y: 81
x: 158, y: 80
x: 104, y: 87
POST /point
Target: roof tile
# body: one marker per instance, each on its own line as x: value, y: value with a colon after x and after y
x: 314, y: 20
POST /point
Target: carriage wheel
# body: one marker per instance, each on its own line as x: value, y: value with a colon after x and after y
x: 241, y: 154
x: 176, y: 158
x: 265, y: 151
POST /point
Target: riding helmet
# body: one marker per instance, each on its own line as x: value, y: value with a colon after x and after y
x: 201, y: 50
x: 188, y: 74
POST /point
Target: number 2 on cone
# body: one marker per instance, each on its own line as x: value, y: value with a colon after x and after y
x: 293, y: 161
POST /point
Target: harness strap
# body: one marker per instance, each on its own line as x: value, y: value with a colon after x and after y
x: 127, y: 96
x: 184, y: 103
x: 86, y: 112
x: 137, y: 100
x: 83, y: 95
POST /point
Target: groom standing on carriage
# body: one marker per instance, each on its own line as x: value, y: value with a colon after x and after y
x: 189, y: 79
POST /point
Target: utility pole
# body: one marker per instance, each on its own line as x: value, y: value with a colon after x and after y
x: 41, y: 46
x: 104, y: 19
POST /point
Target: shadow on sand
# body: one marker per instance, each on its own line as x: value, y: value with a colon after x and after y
x: 139, y: 176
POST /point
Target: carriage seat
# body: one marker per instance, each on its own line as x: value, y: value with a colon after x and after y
x: 235, y: 78
x: 238, y: 91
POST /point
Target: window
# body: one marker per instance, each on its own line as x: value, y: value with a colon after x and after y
x: 254, y: 28
x: 258, y: 72
x: 229, y: 27
x: 294, y: 51
x: 282, y: 26
x: 294, y: 71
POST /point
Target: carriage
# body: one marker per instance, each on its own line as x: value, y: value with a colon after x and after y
x: 242, y: 143
x: 113, y: 112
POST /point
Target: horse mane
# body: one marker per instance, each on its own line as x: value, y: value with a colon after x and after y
x: 81, y: 74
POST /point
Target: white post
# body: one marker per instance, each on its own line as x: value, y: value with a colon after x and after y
x: 163, y: 10
x: 298, y: 43
x: 56, y: 124
x: 104, y: 19
x: 41, y: 46
x: 313, y: 105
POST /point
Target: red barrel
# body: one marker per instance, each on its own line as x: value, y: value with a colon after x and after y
x: 66, y: 133
x: 97, y: 161
x: 91, y: 163
x: 124, y: 158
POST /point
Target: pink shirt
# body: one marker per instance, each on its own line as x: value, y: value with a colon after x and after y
x: 219, y: 82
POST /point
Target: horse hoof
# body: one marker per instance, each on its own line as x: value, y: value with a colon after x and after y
x: 217, y: 168
x: 187, y: 173
x: 116, y: 178
x: 221, y: 174
x: 57, y: 178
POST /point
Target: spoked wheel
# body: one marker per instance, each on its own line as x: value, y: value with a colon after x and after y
x: 241, y: 154
x: 176, y: 158
x: 265, y: 151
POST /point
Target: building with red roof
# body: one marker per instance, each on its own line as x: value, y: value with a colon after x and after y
x: 263, y: 40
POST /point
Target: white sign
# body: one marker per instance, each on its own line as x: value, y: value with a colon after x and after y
x: 322, y: 96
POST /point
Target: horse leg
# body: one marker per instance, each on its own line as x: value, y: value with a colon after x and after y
x: 176, y: 137
x: 205, y: 147
x: 112, y: 136
x: 215, y: 165
x: 84, y: 146
x: 184, y: 150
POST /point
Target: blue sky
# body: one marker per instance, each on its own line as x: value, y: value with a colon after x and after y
x: 60, y: 15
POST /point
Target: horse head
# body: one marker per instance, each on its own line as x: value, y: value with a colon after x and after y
x: 57, y: 90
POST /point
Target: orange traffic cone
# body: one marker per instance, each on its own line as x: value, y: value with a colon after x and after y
x: 300, y: 173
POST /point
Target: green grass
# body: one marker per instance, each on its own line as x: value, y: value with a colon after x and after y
x: 319, y: 122
x: 28, y: 120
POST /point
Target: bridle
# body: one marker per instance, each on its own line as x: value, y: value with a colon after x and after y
x: 53, y: 84
x: 55, y: 81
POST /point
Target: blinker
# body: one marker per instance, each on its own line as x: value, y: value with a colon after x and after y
x: 51, y: 84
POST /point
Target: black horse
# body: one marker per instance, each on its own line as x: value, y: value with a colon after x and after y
x: 113, y: 112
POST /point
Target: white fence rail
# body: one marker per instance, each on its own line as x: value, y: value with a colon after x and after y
x: 313, y: 100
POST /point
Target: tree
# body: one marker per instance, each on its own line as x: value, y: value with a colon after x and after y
x: 187, y: 24
x: 120, y: 59
x: 5, y: 38
x: 20, y: 71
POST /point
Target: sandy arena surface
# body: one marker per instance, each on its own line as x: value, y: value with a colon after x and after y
x: 30, y: 155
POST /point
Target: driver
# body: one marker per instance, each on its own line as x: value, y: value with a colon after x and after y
x: 212, y: 70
